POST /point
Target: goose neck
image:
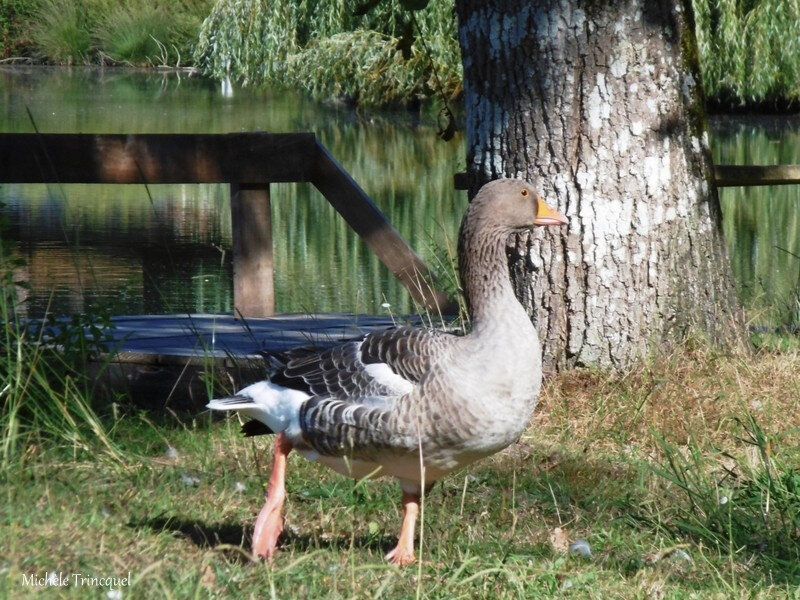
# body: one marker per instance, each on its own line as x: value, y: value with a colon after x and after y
x: 487, y: 282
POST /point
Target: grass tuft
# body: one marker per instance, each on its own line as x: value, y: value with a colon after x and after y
x: 61, y: 32
x: 748, y: 503
x: 133, y: 36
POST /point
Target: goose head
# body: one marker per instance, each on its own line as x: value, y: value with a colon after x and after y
x: 512, y: 205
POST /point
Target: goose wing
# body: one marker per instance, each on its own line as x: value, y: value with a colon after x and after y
x: 382, y: 365
x: 352, y: 387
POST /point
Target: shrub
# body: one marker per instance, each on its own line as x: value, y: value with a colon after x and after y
x: 14, y: 18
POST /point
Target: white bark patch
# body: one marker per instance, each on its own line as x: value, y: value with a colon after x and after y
x: 621, y: 143
x: 504, y: 36
x: 638, y: 255
x: 515, y: 27
x: 586, y: 179
x: 489, y: 137
x: 619, y: 67
x: 559, y: 183
x: 651, y: 167
x: 594, y: 109
x: 578, y: 19
x: 642, y: 219
x: 535, y: 256
x: 599, y: 103
x: 652, y: 265
x: 548, y: 23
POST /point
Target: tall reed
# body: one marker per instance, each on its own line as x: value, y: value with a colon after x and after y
x: 45, y: 391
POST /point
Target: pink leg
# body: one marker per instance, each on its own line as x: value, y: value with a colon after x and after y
x: 269, y: 523
x: 403, y: 554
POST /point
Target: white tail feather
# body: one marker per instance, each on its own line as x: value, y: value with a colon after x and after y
x: 274, y: 405
x: 232, y: 403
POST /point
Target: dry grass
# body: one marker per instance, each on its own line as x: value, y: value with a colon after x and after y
x: 691, y: 395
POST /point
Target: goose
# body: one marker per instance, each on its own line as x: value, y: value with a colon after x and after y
x: 411, y: 403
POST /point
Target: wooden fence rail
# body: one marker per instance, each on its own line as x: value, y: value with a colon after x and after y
x: 249, y: 162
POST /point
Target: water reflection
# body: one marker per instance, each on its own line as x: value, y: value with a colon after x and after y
x: 167, y: 248
x: 170, y: 245
x: 762, y: 224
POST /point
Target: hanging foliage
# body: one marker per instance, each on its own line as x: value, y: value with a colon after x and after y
x: 749, y: 50
x: 342, y: 49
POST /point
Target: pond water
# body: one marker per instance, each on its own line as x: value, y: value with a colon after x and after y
x: 166, y: 248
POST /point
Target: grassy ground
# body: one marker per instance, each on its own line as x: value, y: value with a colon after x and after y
x: 602, y: 461
x: 682, y: 476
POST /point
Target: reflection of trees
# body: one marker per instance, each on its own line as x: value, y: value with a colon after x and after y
x: 169, y: 247
x: 760, y: 220
x: 68, y: 279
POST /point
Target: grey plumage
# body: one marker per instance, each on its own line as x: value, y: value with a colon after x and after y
x: 378, y: 401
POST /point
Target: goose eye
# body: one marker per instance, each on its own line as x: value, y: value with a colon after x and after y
x: 524, y: 192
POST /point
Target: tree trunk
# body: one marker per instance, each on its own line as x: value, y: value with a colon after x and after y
x: 599, y: 105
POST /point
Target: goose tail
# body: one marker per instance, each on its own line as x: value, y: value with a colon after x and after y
x: 275, y: 408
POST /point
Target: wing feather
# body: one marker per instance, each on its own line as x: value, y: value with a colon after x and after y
x: 355, y: 385
x: 354, y: 369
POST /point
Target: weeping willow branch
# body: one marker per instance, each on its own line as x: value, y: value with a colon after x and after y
x: 330, y: 51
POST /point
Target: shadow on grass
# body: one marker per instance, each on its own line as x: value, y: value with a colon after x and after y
x: 212, y: 535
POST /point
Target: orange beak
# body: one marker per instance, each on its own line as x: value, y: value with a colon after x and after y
x: 547, y: 215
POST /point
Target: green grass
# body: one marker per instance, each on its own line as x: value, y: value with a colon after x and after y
x: 681, y: 474
x: 102, y: 31
x: 61, y: 32
x: 608, y: 458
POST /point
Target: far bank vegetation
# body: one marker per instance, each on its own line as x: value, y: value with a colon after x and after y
x: 749, y: 49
